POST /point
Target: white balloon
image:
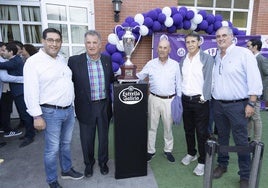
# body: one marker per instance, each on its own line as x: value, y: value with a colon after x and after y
x: 144, y: 30
x: 120, y: 46
x: 224, y: 23
x: 139, y: 18
x: 167, y: 11
x: 193, y: 26
x: 113, y: 39
x: 197, y: 19
x: 169, y: 22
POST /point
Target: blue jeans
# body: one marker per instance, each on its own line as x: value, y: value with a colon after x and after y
x: 231, y: 117
x: 58, y: 136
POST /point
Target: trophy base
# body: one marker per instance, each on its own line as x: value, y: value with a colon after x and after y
x: 128, y: 74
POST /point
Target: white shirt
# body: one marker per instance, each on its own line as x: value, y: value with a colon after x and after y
x: 192, y: 76
x: 47, y: 81
x: 236, y: 75
x: 164, y: 79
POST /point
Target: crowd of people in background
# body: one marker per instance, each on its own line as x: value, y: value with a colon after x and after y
x: 227, y: 89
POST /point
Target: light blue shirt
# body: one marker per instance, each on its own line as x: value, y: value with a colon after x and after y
x: 236, y: 75
x: 164, y: 79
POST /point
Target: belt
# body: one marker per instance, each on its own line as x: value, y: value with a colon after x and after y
x: 55, y: 106
x: 190, y: 98
x: 99, y: 100
x: 163, y: 97
x: 232, y: 101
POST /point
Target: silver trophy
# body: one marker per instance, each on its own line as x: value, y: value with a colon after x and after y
x: 128, y: 69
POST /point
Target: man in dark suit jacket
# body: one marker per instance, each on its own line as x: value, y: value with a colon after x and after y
x: 92, y: 76
x: 14, y: 66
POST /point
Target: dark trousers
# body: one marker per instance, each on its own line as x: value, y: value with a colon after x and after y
x: 25, y: 117
x: 195, y: 120
x: 5, y: 110
x: 99, y: 120
x: 231, y: 117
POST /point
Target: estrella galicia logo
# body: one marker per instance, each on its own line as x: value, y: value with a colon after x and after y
x: 130, y: 95
x: 181, y: 52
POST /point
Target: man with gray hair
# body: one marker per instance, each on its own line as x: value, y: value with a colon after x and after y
x: 236, y: 86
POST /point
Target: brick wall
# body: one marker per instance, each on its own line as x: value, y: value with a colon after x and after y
x: 105, y: 21
x: 260, y: 16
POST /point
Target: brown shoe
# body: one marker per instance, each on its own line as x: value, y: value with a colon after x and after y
x: 243, y: 183
x: 218, y: 171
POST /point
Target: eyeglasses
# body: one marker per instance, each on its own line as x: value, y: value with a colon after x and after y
x: 51, y: 41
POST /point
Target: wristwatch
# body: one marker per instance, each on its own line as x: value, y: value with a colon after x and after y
x: 252, y: 104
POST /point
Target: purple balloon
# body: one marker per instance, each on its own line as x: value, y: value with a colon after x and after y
x: 129, y: 19
x: 189, y: 14
x: 115, y: 66
x: 120, y: 34
x: 174, y: 10
x: 125, y: 24
x: 203, y: 25
x: 158, y: 10
x: 153, y: 14
x: 230, y: 24
x: 148, y: 22
x: 177, y: 19
x: 184, y: 9
x: 235, y: 31
x: 203, y: 13
x: 210, y: 29
x: 150, y: 32
x: 156, y: 26
x: 240, y: 32
x: 110, y: 48
x: 180, y: 25
x: 116, y: 57
x: 186, y: 24
x: 134, y: 24
x: 210, y: 18
x: 218, y: 17
x: 172, y: 29
x: 162, y: 18
x: 217, y: 25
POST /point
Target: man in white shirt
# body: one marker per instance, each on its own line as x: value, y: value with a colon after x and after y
x: 165, y: 82
x: 49, y: 95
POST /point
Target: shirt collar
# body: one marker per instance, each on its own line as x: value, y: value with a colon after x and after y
x: 92, y: 60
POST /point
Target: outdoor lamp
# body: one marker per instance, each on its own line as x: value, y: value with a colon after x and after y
x: 117, y: 9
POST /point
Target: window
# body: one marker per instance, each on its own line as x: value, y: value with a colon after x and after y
x: 239, y: 12
x: 20, y: 22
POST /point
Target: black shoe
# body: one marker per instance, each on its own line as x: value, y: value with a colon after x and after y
x: 72, y: 174
x: 12, y: 133
x: 218, y: 171
x: 55, y: 184
x: 104, y: 169
x: 169, y: 157
x: 243, y: 183
x: 26, y: 142
x: 150, y: 156
x: 88, y: 171
x: 2, y: 144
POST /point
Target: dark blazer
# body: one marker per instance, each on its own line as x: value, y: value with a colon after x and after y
x: 14, y: 67
x: 78, y: 65
x: 263, y: 67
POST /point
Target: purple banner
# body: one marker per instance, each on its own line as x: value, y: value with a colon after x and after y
x: 209, y: 45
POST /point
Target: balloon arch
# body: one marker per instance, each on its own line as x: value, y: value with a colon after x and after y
x: 168, y: 19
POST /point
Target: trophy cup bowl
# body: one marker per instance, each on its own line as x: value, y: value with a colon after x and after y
x: 128, y: 69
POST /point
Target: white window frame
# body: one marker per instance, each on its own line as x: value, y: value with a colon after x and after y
x: 89, y: 5
x: 231, y: 10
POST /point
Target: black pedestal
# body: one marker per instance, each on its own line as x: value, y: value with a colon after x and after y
x: 130, y: 123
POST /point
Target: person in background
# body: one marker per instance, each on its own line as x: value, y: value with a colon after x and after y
x: 165, y: 82
x: 49, y: 95
x: 255, y: 121
x: 7, y: 98
x: 92, y: 76
x: 14, y: 66
x: 196, y: 71
x: 28, y: 50
x: 236, y: 87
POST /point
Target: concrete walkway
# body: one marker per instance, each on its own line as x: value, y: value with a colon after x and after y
x: 23, y: 168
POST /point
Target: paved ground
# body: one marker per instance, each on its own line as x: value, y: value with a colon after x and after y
x: 23, y: 168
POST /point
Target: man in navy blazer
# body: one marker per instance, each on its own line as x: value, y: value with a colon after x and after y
x: 92, y: 77
x: 14, y: 66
